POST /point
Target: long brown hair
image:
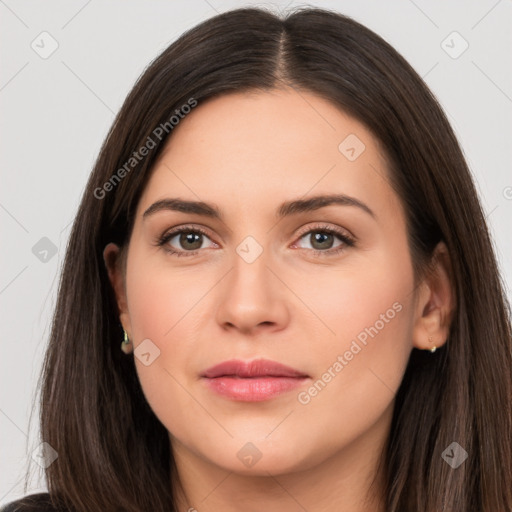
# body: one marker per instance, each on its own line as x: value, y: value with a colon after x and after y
x: 113, y: 453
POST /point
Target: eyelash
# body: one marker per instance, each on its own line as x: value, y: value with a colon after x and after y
x: 347, y: 240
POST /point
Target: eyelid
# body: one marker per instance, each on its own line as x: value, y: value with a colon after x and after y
x: 177, y: 230
x: 323, y: 226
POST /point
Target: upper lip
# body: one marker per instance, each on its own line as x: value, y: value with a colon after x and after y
x: 255, y: 368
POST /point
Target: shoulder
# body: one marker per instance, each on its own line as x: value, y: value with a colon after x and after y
x: 32, y: 503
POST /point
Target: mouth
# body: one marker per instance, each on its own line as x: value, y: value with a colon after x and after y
x: 253, y: 381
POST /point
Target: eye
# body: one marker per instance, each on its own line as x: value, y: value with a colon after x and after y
x: 323, y: 238
x: 189, y: 238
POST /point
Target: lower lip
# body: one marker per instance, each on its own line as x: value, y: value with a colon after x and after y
x: 255, y: 389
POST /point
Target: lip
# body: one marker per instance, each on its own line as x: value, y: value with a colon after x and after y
x: 252, y: 381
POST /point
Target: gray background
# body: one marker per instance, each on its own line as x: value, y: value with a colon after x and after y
x: 55, y: 113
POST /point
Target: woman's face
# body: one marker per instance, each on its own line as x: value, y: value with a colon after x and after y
x: 323, y: 287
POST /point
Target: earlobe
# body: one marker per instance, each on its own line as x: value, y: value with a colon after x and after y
x: 436, y: 303
x: 111, y: 257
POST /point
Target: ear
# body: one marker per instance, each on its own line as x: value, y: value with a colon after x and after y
x: 435, y: 302
x: 112, y: 258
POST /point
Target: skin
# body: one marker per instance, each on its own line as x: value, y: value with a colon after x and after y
x: 247, y: 153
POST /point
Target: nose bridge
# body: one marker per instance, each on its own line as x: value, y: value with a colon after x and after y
x: 251, y: 294
x: 250, y: 275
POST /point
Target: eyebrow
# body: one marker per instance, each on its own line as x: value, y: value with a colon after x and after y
x: 286, y: 209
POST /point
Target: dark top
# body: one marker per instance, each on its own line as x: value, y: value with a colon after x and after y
x: 32, y: 503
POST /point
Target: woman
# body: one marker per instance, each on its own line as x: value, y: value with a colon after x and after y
x: 335, y: 336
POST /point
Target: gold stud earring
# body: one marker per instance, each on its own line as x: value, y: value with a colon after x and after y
x: 434, y: 348
x: 125, y: 344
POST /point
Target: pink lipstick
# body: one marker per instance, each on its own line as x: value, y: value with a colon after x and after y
x: 252, y: 381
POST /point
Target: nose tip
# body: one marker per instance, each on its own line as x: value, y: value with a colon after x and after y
x: 252, y: 298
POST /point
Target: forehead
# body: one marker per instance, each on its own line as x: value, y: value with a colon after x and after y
x: 249, y: 149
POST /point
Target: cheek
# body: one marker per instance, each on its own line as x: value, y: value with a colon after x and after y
x: 355, y: 384
x: 162, y: 305
x: 162, y: 301
x: 366, y: 299
x: 358, y: 367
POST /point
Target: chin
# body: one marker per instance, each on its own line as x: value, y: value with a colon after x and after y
x: 263, y: 456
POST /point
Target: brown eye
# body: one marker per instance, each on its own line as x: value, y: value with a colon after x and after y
x: 190, y: 240
x: 186, y: 241
x: 322, y: 241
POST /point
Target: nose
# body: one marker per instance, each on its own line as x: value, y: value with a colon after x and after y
x: 253, y: 298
